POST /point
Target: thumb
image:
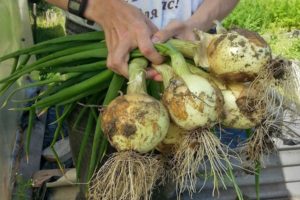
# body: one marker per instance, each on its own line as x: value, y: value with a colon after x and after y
x: 162, y: 36
x: 168, y: 32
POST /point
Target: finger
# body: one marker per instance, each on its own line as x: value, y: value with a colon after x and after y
x: 114, y: 38
x: 153, y: 74
x: 168, y: 32
x: 108, y: 40
x: 119, y: 58
x: 146, y: 47
x: 158, y: 77
x: 186, y: 35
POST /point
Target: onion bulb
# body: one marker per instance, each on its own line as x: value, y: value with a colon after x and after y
x: 195, y: 105
x: 173, y: 138
x: 237, y: 55
x: 277, y: 89
x: 281, y: 79
x: 246, y: 107
x: 134, y: 123
x: 192, y: 101
x: 238, y: 97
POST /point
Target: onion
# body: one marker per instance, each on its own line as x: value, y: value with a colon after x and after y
x: 277, y: 89
x: 192, y: 101
x: 195, y: 105
x: 134, y: 123
x: 173, y: 138
x: 282, y: 78
x: 238, y: 113
x: 246, y: 107
x: 237, y: 55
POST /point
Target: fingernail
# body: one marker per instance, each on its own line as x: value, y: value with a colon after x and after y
x: 155, y: 39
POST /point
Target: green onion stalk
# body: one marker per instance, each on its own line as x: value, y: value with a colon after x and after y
x: 133, y: 124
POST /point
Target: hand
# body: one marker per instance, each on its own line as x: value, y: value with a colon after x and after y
x: 125, y: 28
x: 175, y: 29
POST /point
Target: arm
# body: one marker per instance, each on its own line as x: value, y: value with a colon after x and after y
x: 63, y: 4
x: 202, y: 19
x: 209, y: 11
x: 125, y: 28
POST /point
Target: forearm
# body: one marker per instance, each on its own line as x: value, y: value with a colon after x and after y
x: 92, y: 11
x: 63, y: 4
x: 209, y: 11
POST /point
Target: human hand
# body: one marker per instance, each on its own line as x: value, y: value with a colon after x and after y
x: 175, y: 29
x: 125, y: 28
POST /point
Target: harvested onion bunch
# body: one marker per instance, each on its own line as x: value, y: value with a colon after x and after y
x: 134, y: 123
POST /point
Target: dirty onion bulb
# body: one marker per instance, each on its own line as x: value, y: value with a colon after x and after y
x: 195, y: 105
x: 237, y: 55
x: 251, y: 106
x: 192, y: 101
x: 239, y: 110
x: 134, y: 123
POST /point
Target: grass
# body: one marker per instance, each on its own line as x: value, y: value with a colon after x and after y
x: 263, y: 15
x: 22, y: 187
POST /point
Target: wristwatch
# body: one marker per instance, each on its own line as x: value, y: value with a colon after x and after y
x: 77, y: 7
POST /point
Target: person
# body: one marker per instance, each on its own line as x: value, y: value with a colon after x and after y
x: 134, y: 24
x: 130, y: 24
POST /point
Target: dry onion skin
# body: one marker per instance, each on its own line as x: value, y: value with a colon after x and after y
x: 195, y: 105
x: 134, y: 123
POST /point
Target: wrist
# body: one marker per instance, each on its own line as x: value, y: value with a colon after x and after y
x: 88, y: 13
x: 93, y: 9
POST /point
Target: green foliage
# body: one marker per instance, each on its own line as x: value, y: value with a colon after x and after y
x: 47, y: 33
x: 41, y: 6
x: 22, y: 187
x: 262, y: 15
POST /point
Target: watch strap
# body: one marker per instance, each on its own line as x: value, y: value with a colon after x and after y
x: 77, y: 7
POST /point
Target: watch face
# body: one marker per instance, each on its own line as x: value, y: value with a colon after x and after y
x: 74, y: 5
